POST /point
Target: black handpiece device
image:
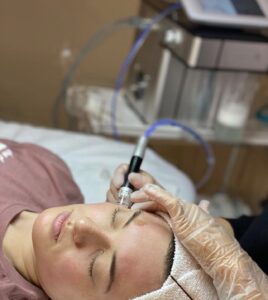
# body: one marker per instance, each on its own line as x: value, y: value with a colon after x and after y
x: 134, y: 166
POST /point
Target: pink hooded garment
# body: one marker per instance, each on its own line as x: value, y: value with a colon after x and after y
x: 33, y: 179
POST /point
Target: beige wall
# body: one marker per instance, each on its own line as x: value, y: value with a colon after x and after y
x: 33, y: 34
x: 249, y: 177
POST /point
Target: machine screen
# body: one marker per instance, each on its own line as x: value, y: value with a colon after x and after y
x: 232, y: 7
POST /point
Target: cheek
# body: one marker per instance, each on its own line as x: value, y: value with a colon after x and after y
x: 143, y: 253
x: 41, y: 227
x: 60, y: 275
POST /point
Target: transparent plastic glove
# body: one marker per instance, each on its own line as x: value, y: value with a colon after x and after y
x: 138, y: 180
x: 235, y: 275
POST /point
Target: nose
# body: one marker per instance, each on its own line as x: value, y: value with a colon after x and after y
x: 87, y: 233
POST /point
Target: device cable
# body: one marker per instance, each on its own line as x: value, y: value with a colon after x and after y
x: 210, y: 157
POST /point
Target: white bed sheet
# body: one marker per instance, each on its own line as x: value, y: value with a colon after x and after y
x: 92, y: 159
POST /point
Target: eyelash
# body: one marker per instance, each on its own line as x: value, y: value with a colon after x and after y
x: 91, y: 265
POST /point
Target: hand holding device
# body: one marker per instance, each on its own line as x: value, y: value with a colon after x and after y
x: 235, y: 275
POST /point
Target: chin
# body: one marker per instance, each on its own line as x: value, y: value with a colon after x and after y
x: 41, y: 233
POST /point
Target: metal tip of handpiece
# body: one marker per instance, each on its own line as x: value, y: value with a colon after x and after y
x: 125, y: 201
x: 124, y: 196
x: 141, y: 147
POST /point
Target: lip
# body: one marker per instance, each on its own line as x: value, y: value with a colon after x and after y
x: 58, y: 224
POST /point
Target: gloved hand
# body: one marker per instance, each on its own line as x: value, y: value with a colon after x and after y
x: 235, y: 275
x: 138, y: 180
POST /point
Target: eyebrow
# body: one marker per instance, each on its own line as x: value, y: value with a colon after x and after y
x: 169, y: 257
x: 132, y: 218
x: 112, y: 273
x: 113, y: 261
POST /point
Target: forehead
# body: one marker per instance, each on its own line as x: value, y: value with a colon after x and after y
x: 142, y: 252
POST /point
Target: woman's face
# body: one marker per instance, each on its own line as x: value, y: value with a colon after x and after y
x: 103, y: 251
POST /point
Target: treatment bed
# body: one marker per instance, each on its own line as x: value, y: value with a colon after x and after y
x: 92, y: 159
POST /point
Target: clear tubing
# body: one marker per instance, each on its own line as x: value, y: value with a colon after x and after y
x: 128, y: 60
x: 99, y: 36
x: 210, y: 158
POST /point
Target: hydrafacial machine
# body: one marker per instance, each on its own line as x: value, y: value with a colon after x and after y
x: 203, y: 66
x: 199, y: 62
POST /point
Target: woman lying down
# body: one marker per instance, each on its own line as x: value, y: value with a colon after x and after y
x: 55, y: 247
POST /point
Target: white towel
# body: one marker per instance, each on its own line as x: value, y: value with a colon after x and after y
x: 192, y: 281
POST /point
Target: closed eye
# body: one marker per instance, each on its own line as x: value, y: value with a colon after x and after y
x: 90, y: 268
x: 92, y: 264
x: 113, y: 268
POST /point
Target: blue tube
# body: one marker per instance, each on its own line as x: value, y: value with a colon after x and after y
x: 208, y: 150
x: 128, y: 60
x: 262, y: 114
